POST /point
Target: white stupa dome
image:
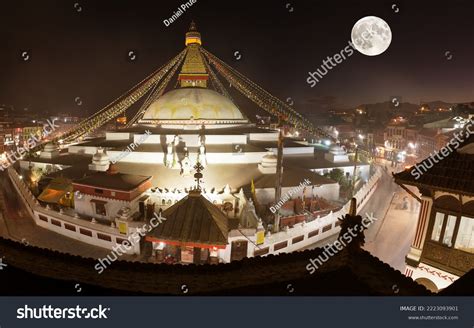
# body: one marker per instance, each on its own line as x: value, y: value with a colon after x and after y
x: 192, y: 104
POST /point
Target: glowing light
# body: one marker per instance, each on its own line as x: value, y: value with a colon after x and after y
x: 327, y: 142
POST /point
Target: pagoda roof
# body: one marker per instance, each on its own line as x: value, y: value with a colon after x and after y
x: 461, y: 287
x: 192, y: 221
x: 345, y: 273
x: 452, y: 173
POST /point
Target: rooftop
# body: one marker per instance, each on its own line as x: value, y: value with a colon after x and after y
x: 192, y: 221
x: 314, y: 162
x: 117, y: 181
x: 292, y: 177
x: 343, y: 274
x: 215, y: 175
x: 452, y: 173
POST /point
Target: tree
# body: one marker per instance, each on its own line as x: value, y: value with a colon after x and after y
x: 337, y: 175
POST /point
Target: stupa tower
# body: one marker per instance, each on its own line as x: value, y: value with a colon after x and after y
x: 193, y: 72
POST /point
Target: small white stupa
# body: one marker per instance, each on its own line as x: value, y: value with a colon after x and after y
x: 268, y: 165
x: 336, y: 154
x: 100, y: 161
x: 49, y: 151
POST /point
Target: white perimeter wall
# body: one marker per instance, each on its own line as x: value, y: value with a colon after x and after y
x: 328, y: 191
x: 35, y: 210
x: 320, y: 228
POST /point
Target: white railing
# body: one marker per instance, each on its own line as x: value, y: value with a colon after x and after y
x: 304, y: 234
x: 96, y: 234
x: 300, y: 236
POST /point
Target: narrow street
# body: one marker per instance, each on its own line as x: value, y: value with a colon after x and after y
x: 389, y: 238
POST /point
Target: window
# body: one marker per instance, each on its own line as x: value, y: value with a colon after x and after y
x: 313, y: 233
x: 55, y: 222
x: 262, y: 251
x: 465, y: 237
x: 100, y: 209
x: 43, y: 218
x: 120, y: 240
x: 297, y: 239
x: 85, y: 232
x: 104, y: 237
x: 280, y: 245
x: 98, y: 191
x: 327, y: 227
x: 444, y: 231
x: 70, y: 227
x: 449, y: 231
x: 438, y: 225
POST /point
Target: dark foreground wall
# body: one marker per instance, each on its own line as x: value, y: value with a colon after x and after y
x: 32, y: 270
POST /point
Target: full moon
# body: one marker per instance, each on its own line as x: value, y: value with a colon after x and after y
x: 371, y: 35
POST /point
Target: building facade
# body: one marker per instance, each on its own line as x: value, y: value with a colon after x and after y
x: 443, y: 248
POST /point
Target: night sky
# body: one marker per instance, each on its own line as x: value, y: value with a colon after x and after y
x: 80, y: 49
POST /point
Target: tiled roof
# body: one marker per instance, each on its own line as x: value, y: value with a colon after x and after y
x: 464, y: 286
x: 452, y: 173
x: 193, y: 220
x: 346, y: 273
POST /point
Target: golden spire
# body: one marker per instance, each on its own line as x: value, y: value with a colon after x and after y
x: 193, y: 72
x: 193, y: 36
